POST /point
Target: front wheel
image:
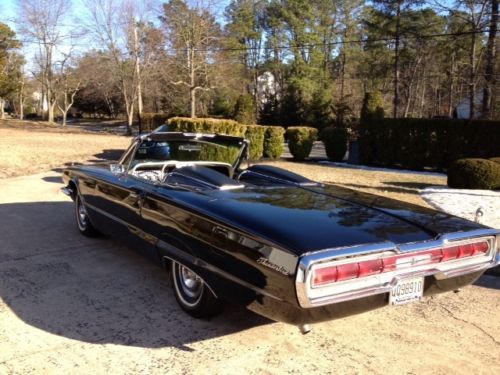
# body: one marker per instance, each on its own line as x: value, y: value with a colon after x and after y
x: 192, y: 294
x: 82, y: 219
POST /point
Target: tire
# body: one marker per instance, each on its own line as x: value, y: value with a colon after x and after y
x: 82, y: 220
x: 192, y: 294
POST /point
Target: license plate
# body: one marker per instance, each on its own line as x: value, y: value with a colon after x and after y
x: 406, y: 291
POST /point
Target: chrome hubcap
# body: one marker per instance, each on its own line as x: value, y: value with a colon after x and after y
x: 82, y: 215
x: 190, y: 282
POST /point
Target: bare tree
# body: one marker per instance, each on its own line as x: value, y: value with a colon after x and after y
x: 119, y: 27
x: 66, y: 86
x: 192, y: 34
x: 42, y: 22
x: 491, y: 56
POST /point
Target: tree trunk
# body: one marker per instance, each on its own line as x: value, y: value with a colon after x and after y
x: 396, y: 60
x: 451, y: 87
x: 192, y: 82
x: 192, y: 101
x: 51, y: 104
x: 2, y: 109
x: 138, y: 72
x: 130, y: 119
x: 21, y: 106
x: 410, y: 86
x: 472, y: 83
x: 489, y: 70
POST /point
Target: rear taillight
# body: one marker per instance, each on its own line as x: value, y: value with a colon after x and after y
x: 347, y: 271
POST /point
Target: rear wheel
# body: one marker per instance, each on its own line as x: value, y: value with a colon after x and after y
x: 192, y: 294
x: 82, y: 219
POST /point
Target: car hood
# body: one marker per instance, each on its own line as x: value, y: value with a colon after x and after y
x: 304, y: 219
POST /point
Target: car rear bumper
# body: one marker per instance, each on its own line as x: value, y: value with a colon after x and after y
x: 293, y: 314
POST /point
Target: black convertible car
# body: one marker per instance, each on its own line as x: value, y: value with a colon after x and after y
x: 286, y: 247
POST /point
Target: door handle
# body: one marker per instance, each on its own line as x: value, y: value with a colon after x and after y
x: 220, y: 231
x: 136, y: 196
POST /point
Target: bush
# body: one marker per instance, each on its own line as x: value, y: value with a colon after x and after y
x: 255, y: 134
x: 421, y: 143
x: 273, y: 142
x: 495, y: 159
x: 335, y: 140
x: 244, y: 110
x: 474, y: 174
x: 206, y: 125
x: 373, y: 106
x: 150, y: 121
x: 300, y: 141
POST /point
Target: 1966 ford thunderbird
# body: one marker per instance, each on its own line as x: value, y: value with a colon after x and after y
x: 286, y: 247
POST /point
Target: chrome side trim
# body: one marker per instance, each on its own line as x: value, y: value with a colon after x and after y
x: 198, y: 262
x: 108, y: 215
x: 382, y: 283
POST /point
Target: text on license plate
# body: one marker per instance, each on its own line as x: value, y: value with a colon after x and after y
x: 406, y: 291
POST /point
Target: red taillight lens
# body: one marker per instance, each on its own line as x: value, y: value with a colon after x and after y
x: 450, y: 253
x: 370, y: 267
x: 324, y: 276
x: 480, y: 247
x: 354, y: 270
x: 347, y: 271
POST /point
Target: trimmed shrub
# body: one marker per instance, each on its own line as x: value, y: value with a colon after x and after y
x: 300, y: 141
x: 206, y: 125
x: 335, y: 140
x: 373, y: 107
x: 255, y: 134
x: 421, y: 143
x: 244, y: 110
x: 495, y: 159
x: 474, y: 174
x: 273, y: 142
x: 150, y: 121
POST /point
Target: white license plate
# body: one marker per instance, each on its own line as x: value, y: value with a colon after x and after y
x: 406, y: 291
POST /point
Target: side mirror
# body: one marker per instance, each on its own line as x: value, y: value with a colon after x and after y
x: 117, y: 168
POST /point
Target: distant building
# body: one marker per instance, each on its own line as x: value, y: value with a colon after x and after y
x: 266, y: 87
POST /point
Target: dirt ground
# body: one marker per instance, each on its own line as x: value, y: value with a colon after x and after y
x: 70, y: 304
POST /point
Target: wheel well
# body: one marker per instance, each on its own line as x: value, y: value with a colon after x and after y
x: 72, y: 186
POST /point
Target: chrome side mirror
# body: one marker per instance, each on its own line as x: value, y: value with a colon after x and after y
x: 117, y: 168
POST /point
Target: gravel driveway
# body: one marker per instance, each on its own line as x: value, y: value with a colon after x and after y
x: 70, y: 304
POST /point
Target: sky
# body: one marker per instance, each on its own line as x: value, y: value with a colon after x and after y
x: 9, y: 10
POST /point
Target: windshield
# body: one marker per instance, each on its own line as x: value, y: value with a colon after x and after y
x: 186, y: 150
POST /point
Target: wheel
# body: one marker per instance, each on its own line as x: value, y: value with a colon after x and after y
x: 82, y: 220
x: 192, y: 294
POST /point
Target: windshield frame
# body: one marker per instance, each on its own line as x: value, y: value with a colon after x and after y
x: 215, y: 139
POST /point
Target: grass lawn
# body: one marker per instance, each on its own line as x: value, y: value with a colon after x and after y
x: 28, y: 147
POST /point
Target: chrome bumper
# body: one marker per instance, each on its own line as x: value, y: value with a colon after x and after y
x: 359, y: 288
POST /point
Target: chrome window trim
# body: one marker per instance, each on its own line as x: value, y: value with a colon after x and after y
x: 382, y: 283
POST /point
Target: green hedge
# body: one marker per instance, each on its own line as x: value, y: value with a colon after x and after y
x: 335, y: 141
x: 474, y: 174
x: 264, y: 140
x: 420, y: 143
x: 300, y: 141
x: 206, y: 125
x: 150, y: 121
x: 255, y: 134
x: 273, y: 142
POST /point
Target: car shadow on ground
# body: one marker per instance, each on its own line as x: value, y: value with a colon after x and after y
x: 490, y: 280
x: 107, y: 155
x: 94, y: 290
x: 53, y: 179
